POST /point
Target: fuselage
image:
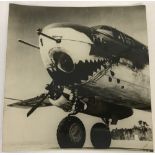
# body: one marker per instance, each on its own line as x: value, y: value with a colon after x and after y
x: 98, y: 61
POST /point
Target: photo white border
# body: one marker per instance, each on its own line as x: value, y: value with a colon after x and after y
x: 150, y: 9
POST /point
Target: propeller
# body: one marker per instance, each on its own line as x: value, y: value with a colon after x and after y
x: 44, y: 96
x: 53, y: 91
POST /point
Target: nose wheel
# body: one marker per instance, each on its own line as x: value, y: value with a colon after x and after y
x: 71, y: 133
x: 100, y: 136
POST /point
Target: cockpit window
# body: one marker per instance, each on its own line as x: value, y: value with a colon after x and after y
x: 106, y: 28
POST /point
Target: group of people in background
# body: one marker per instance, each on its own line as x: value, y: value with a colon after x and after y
x: 140, y: 132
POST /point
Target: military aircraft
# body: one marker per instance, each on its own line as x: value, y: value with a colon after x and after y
x: 98, y: 71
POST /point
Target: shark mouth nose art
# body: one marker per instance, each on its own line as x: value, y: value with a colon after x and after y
x: 65, y: 71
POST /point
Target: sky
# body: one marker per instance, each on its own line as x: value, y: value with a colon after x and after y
x: 26, y: 76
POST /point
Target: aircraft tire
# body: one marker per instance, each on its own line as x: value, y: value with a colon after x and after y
x: 71, y: 133
x: 100, y: 136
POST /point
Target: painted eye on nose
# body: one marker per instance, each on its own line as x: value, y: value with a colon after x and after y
x: 63, y: 61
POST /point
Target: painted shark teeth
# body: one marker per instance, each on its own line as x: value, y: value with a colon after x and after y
x: 98, y: 70
x: 83, y: 81
x: 96, y: 59
x: 93, y: 60
x: 85, y: 71
x: 102, y: 67
x: 94, y: 73
x: 89, y: 77
x: 101, y: 59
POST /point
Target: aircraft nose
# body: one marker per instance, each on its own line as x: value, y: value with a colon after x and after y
x: 63, y: 61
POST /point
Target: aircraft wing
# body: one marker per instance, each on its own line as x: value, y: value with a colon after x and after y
x: 29, y: 103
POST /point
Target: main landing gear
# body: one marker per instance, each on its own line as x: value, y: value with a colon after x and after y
x: 71, y: 134
x: 100, y: 136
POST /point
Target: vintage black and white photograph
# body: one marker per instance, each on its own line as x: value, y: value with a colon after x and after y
x: 77, y: 78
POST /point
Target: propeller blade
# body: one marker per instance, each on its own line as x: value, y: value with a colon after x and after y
x: 37, y: 105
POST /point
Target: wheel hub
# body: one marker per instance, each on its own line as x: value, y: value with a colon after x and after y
x: 75, y: 133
